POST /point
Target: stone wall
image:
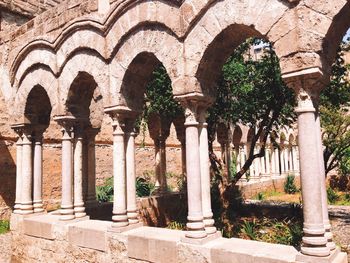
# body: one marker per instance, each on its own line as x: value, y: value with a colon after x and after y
x: 252, y: 188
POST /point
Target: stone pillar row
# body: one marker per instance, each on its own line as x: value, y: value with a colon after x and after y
x: 28, y: 198
x: 275, y: 162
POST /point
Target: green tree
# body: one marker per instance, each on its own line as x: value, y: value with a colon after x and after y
x: 335, y: 118
x: 251, y: 92
x: 159, y: 96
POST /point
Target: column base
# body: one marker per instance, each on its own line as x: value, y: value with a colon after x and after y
x: 66, y: 214
x: 74, y: 220
x: 201, y: 241
x: 116, y: 229
x: 335, y: 257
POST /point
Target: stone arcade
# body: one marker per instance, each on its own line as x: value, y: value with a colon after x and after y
x: 81, y: 61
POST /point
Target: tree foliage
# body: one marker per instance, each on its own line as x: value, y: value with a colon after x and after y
x: 335, y: 118
x: 159, y: 96
x: 251, y: 92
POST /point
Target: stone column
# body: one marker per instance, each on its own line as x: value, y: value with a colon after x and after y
x: 19, y: 145
x: 273, y: 161
x: 38, y: 172
x: 295, y: 159
x: 256, y: 163
x: 282, y: 162
x: 67, y: 211
x: 286, y: 160
x: 205, y: 173
x: 79, y: 206
x: 27, y: 172
x: 314, y: 241
x: 180, y: 133
x: 162, y: 165
x: 262, y: 164
x: 120, y: 218
x: 91, y: 166
x: 328, y: 234
x: 267, y: 158
x: 131, y: 172
x: 277, y: 162
x: 195, y: 224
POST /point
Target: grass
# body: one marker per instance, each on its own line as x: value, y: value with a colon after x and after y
x: 4, y: 226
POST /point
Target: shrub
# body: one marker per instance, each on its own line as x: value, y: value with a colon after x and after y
x: 4, y: 226
x: 332, y: 196
x: 104, y: 193
x: 144, y: 188
x: 289, y: 185
x: 260, y: 196
x: 249, y: 229
x: 176, y: 225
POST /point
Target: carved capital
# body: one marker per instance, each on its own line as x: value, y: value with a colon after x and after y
x: 307, y: 85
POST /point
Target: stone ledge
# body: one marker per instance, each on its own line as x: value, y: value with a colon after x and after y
x: 89, y: 234
x: 154, y: 244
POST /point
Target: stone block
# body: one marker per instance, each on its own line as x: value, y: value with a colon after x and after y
x: 89, y: 234
x: 238, y: 250
x: 335, y: 257
x: 39, y: 226
x: 154, y: 244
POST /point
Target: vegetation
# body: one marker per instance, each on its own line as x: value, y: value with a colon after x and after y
x: 335, y: 120
x: 251, y: 92
x: 4, y: 226
x: 289, y: 185
x: 286, y: 231
x: 104, y: 193
x: 144, y: 188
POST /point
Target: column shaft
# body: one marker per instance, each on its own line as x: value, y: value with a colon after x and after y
x: 38, y: 174
x: 131, y: 178
x: 327, y: 225
x: 27, y: 175
x: 314, y: 242
x: 91, y: 170
x: 79, y: 206
x: 120, y: 218
x: 195, y: 223
x: 67, y: 211
x: 17, y: 207
x: 205, y: 177
x: 267, y: 158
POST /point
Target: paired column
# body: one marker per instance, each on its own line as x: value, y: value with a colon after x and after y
x: 205, y: 174
x: 124, y: 175
x: 314, y: 241
x: 28, y: 170
x: 195, y: 224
